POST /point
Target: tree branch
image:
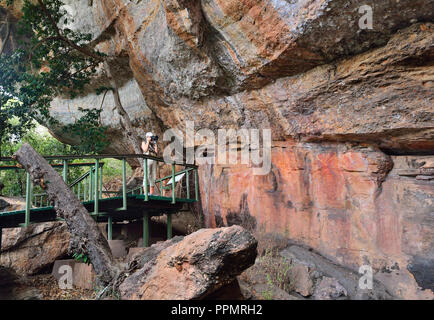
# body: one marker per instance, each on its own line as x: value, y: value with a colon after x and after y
x: 83, y: 50
x: 131, y: 133
x: 8, y: 32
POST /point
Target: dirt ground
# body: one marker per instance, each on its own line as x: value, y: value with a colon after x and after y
x: 48, y: 289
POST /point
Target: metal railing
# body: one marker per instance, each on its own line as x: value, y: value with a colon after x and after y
x: 81, y: 186
x: 89, y: 186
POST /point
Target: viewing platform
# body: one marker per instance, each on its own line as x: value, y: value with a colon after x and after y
x: 84, y: 176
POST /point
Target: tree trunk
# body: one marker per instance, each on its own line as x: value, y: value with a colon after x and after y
x: 85, y: 234
x: 8, y: 31
x: 131, y: 133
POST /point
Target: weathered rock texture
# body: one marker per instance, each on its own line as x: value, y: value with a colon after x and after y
x: 30, y: 250
x: 350, y: 112
x: 338, y: 200
x: 261, y: 64
x: 12, y: 287
x: 298, y: 272
x: 191, y: 268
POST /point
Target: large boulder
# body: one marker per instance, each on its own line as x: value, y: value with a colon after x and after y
x: 12, y: 287
x: 29, y: 250
x: 12, y: 204
x: 192, y: 267
x: 4, y: 204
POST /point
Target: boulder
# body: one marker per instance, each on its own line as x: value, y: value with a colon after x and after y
x: 3, y: 204
x: 329, y: 289
x: 133, y: 252
x: 192, y: 267
x: 12, y: 287
x: 29, y: 250
x: 330, y: 279
x: 300, y: 279
x: 12, y: 204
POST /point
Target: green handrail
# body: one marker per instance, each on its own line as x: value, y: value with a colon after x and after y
x: 28, y: 198
x: 75, y: 183
x: 96, y: 199
x: 176, y: 174
x: 92, y: 189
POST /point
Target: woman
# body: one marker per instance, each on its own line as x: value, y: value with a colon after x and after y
x: 150, y: 147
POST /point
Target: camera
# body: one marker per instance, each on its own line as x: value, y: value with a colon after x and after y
x: 154, y: 139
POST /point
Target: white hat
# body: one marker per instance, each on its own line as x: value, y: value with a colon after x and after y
x: 149, y: 134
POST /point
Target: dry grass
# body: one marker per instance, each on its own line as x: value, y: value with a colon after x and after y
x: 270, y: 268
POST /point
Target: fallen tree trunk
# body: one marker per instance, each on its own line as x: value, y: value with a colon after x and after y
x: 85, y: 234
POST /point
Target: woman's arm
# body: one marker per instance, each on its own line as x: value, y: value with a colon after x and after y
x: 145, y: 146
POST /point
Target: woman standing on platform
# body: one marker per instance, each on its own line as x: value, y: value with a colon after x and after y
x: 150, y: 147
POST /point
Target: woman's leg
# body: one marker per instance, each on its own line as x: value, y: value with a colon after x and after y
x: 152, y: 176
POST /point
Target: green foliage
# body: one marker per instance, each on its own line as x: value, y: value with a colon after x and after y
x: 277, y: 272
x: 91, y: 134
x: 268, y: 293
x: 14, y: 180
x: 113, y: 169
x: 51, y: 61
x: 81, y: 257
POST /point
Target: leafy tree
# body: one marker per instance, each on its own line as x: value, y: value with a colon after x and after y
x: 14, y: 181
x: 53, y: 60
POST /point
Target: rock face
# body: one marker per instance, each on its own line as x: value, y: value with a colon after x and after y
x: 12, y: 287
x: 29, y: 250
x: 191, y: 268
x: 298, y: 272
x: 329, y: 289
x: 346, y: 202
x: 12, y: 204
x: 350, y: 113
x: 260, y: 64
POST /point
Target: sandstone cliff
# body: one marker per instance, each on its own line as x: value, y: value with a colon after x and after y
x: 351, y: 113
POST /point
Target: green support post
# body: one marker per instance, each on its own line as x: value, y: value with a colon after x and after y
x: 173, y: 183
x: 96, y: 195
x: 0, y: 239
x: 124, y: 184
x: 169, y: 226
x: 100, y: 183
x: 196, y: 185
x: 65, y: 171
x: 85, y: 183
x: 110, y: 229
x: 187, y: 182
x: 145, y: 229
x: 146, y: 179
x: 28, y: 200
x: 91, y: 184
x: 79, y: 191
